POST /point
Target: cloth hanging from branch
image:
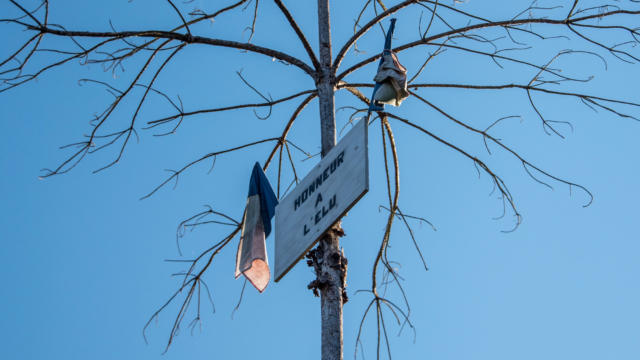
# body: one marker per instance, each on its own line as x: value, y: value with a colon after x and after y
x: 251, y: 259
x: 391, y: 78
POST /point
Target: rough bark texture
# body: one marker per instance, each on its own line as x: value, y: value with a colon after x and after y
x: 327, y: 259
x: 330, y: 266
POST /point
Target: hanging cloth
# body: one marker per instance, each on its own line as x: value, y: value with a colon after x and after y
x: 391, y: 78
x: 251, y: 259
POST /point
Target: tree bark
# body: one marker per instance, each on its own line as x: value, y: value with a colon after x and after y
x: 326, y: 80
x: 327, y: 259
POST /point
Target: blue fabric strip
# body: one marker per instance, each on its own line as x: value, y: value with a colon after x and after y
x: 259, y: 185
x: 387, y: 40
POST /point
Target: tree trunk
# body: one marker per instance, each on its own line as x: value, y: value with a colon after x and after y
x: 327, y: 259
x: 326, y: 81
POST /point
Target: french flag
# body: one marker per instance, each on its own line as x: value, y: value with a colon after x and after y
x: 251, y: 260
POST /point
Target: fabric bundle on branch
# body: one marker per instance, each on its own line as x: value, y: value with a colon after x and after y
x: 251, y: 259
x: 391, y: 78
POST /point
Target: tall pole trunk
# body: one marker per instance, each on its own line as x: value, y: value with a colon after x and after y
x: 325, y: 80
x: 327, y: 259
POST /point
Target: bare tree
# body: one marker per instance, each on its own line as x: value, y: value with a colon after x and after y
x: 532, y: 40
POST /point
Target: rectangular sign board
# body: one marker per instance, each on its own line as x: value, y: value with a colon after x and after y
x: 330, y: 189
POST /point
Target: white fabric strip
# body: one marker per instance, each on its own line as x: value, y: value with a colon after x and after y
x: 251, y: 259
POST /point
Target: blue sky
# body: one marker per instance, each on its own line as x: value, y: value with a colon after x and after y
x: 83, y: 259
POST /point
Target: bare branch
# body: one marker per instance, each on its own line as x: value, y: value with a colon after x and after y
x: 207, y: 156
x: 169, y: 35
x: 270, y: 103
x: 512, y: 23
x: 184, y: 22
x: 363, y: 30
x: 296, y: 28
x: 525, y: 162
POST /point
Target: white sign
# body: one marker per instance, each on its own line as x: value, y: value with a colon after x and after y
x: 330, y: 189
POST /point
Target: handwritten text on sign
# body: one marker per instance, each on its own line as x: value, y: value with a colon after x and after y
x: 330, y: 189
